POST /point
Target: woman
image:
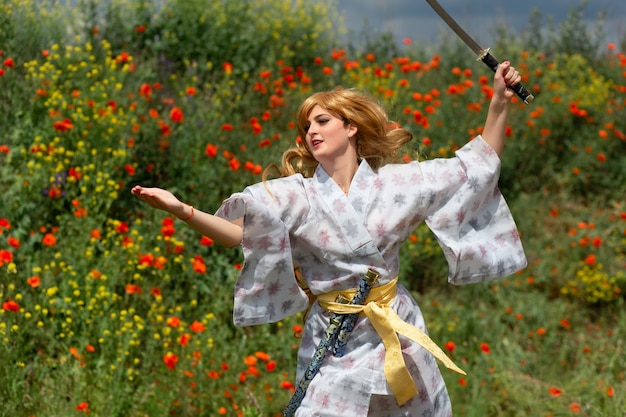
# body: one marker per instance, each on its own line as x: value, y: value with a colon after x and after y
x: 342, y: 209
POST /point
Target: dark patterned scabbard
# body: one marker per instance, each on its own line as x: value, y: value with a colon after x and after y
x: 363, y: 290
x: 328, y: 340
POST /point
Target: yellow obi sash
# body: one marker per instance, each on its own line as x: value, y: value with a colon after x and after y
x: 387, y: 323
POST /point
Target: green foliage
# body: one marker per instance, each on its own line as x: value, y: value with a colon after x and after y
x: 114, y: 308
x: 123, y: 23
x: 570, y: 37
x: 238, y: 33
x: 27, y: 26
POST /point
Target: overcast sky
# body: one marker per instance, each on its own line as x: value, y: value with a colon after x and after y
x: 416, y: 20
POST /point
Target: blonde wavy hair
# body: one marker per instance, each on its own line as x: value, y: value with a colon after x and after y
x: 378, y: 140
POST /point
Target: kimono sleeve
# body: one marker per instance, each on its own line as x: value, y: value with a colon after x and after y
x: 266, y: 290
x: 473, y: 223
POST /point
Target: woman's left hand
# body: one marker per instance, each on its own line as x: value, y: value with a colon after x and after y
x: 505, y: 77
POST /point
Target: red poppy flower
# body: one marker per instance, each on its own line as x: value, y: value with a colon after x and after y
x: 286, y: 385
x: 234, y: 164
x: 256, y: 127
x: 145, y: 90
x: 160, y: 262
x: 199, y: 265
x: 250, y: 360
x: 165, y: 129
x: 63, y: 125
x: 5, y: 224
x: 49, y: 239
x: 11, y: 305
x: 122, y: 227
x: 132, y: 289
x: 211, y: 150
x: 184, y: 339
x: 197, y: 327
x: 130, y: 170
x: 170, y: 360
x: 173, y: 321
x: 590, y: 260
x: 176, y: 115
x: 554, y: 391
x: 168, y: 230
x: 84, y: 407
x: 33, y: 281
x: 74, y: 173
x: 146, y: 259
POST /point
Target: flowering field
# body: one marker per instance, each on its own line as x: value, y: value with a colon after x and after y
x: 111, y: 308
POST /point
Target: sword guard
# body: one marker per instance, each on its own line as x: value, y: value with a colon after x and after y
x: 371, y: 276
x: 342, y: 299
x: 483, y: 54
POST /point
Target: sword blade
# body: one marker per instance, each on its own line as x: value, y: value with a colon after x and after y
x: 482, y: 53
x: 461, y: 33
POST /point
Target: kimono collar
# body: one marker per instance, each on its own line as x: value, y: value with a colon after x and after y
x: 359, y: 187
x: 349, y: 212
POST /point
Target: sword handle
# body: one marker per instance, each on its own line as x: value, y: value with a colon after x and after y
x: 519, y: 89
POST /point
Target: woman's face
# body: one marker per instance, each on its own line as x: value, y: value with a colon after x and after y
x: 329, y: 138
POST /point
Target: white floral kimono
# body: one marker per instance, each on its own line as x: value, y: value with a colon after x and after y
x: 334, y: 239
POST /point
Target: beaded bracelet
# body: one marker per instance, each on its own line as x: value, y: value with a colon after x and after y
x: 188, y: 217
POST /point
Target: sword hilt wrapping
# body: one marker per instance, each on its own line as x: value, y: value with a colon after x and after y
x: 519, y: 89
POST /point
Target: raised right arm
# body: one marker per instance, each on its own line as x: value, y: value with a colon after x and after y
x: 494, y: 131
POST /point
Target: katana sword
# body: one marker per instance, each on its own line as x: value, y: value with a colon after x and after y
x: 326, y: 344
x: 334, y: 339
x: 481, y: 53
x: 365, y: 285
